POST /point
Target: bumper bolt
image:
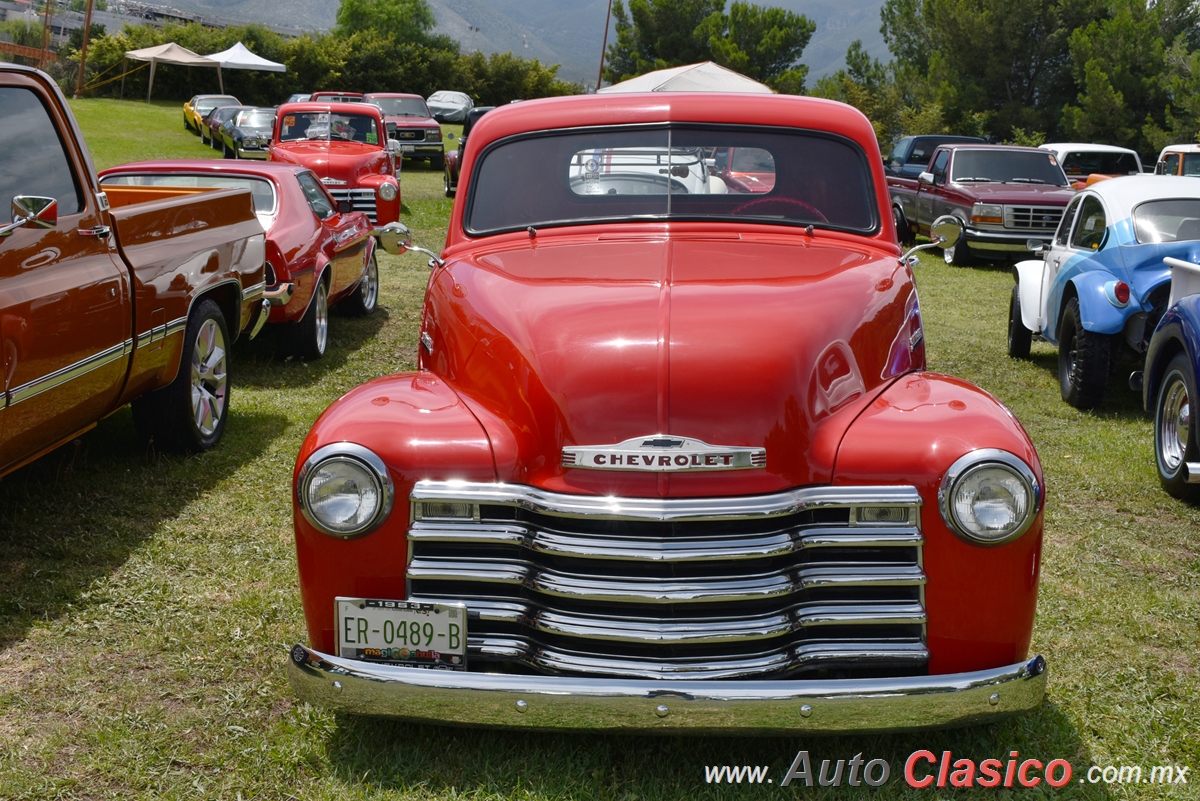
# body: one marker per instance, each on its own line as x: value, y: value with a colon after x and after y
x: 805, y: 711
x: 337, y: 685
x: 661, y: 710
x: 994, y: 699
x: 522, y: 705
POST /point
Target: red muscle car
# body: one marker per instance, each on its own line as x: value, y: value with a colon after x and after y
x: 670, y: 459
x: 319, y: 251
x: 346, y: 145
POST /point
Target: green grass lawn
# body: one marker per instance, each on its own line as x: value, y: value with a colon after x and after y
x: 147, y: 602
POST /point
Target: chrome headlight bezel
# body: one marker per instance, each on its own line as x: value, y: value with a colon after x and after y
x: 355, y: 457
x: 388, y: 191
x: 971, y: 465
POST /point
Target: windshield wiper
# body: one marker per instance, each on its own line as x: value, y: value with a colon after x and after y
x: 981, y: 180
x: 1026, y: 181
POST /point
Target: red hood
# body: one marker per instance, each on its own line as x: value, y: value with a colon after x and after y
x: 1033, y: 194
x: 343, y: 161
x: 583, y: 342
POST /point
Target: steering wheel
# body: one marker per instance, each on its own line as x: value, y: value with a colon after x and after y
x: 782, y: 204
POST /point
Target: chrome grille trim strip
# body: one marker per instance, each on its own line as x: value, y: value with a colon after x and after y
x: 661, y: 509
x: 63, y: 375
x: 774, y: 584
x: 682, y: 549
x: 782, y: 660
x: 690, y: 631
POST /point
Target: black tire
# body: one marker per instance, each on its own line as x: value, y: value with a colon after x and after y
x: 959, y: 255
x: 190, y: 413
x: 309, y: 338
x: 365, y: 297
x: 437, y: 162
x: 187, y: 126
x: 1020, y: 338
x: 447, y: 187
x: 204, y: 140
x: 1174, y: 434
x: 1084, y: 358
x: 904, y: 236
x: 227, y: 151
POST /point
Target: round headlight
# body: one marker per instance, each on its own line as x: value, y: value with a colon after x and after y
x: 344, y: 490
x: 989, y: 497
x: 387, y: 191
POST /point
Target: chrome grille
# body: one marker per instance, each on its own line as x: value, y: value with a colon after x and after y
x: 777, y: 585
x: 361, y: 199
x: 1033, y: 218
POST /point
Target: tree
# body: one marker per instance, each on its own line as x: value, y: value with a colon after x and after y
x: 762, y: 43
x: 403, y: 20
x: 657, y: 34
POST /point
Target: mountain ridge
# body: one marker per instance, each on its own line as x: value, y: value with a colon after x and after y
x: 568, y: 33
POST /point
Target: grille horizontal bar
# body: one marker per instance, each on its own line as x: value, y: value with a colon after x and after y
x: 808, y: 656
x: 1036, y: 218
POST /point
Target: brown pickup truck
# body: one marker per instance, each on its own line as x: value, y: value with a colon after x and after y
x: 111, y: 298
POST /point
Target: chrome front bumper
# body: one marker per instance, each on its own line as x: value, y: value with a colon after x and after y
x: 669, y: 706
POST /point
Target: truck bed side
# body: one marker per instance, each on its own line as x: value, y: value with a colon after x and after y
x: 182, y: 248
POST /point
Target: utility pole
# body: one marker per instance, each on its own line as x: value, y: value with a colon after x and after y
x: 604, y: 45
x: 87, y: 29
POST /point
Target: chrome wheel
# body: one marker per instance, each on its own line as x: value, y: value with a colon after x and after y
x: 209, y: 379
x: 1174, y: 424
x: 321, y: 319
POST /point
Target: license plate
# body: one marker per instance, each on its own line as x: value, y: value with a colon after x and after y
x: 407, y: 148
x: 403, y: 632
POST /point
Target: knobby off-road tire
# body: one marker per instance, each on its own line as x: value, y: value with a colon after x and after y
x: 190, y: 413
x: 1084, y: 358
x: 1174, y: 432
x: 1020, y: 338
x: 365, y: 297
x: 309, y: 338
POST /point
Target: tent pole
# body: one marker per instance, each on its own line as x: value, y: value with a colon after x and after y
x: 153, y: 64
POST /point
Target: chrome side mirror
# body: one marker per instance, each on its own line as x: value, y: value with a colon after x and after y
x: 32, y: 212
x: 944, y: 233
x: 925, y: 178
x: 395, y: 238
x: 1035, y: 246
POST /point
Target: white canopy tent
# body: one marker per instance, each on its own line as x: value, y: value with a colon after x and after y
x: 172, y: 53
x: 239, y: 57
x: 703, y: 77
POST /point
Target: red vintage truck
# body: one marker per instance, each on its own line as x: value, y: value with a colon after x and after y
x: 671, y: 459
x: 346, y: 145
x: 130, y: 295
x: 1003, y: 195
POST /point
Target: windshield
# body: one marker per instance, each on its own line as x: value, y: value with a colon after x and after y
x: 1167, y: 220
x: 401, y: 106
x: 209, y: 103
x: 259, y: 118
x: 610, y: 175
x: 325, y: 125
x: 261, y: 190
x: 1080, y: 163
x: 1007, y: 167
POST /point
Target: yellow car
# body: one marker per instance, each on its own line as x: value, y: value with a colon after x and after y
x: 195, y: 109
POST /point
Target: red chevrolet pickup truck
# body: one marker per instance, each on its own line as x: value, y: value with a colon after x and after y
x: 670, y: 459
x: 133, y: 295
x: 1003, y: 195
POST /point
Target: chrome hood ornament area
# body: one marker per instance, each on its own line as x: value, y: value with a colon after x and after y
x: 659, y: 453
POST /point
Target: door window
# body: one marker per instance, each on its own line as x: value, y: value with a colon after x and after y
x: 33, y: 160
x: 1064, y: 226
x: 1089, y: 232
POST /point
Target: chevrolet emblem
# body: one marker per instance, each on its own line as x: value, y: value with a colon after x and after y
x: 663, y: 454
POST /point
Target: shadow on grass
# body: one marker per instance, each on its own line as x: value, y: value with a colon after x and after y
x: 1120, y: 402
x: 399, y: 756
x: 76, y: 514
x: 257, y: 363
